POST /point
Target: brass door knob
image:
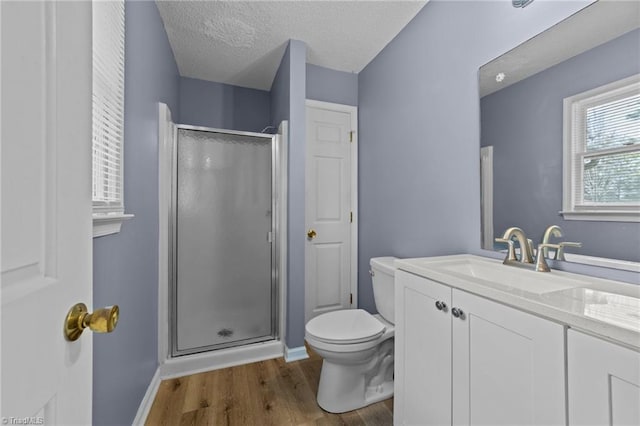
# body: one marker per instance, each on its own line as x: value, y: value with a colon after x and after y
x: 102, y: 320
x: 311, y: 234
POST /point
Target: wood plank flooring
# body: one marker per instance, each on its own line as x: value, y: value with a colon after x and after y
x: 270, y: 392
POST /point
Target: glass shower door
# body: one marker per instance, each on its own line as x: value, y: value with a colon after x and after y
x: 223, y: 223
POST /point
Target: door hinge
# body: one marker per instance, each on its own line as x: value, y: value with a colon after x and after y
x: 351, y: 298
x: 351, y: 136
x: 351, y: 217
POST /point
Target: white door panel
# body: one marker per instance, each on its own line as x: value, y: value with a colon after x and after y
x: 508, y: 366
x: 328, y: 254
x: 604, y: 382
x: 328, y: 295
x: 46, y: 209
x: 422, y: 352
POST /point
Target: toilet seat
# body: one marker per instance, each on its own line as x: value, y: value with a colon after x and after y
x: 345, y: 327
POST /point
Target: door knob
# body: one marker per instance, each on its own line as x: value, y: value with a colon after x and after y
x: 101, y: 321
x: 311, y: 234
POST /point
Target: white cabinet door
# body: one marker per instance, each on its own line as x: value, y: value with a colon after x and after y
x: 604, y: 382
x: 508, y: 366
x: 422, y: 391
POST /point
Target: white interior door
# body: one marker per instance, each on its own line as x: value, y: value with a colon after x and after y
x: 329, y: 209
x: 46, y: 210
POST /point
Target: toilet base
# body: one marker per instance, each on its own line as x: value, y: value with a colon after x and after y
x: 345, y: 388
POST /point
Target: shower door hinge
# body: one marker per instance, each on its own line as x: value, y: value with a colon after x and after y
x: 351, y: 136
x: 351, y: 298
x: 351, y: 217
x: 269, y: 237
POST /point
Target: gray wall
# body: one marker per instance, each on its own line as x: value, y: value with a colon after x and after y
x: 328, y: 85
x: 297, y: 158
x: 419, y: 128
x: 527, y: 143
x: 280, y: 89
x: 287, y: 103
x: 125, y: 265
x: 209, y: 104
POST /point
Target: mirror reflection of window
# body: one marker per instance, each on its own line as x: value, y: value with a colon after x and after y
x: 602, y: 150
x: 521, y: 107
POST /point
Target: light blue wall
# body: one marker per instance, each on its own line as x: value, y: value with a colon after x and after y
x: 419, y: 192
x: 126, y: 264
x: 325, y: 84
x: 288, y: 103
x: 209, y: 104
x: 297, y: 158
x: 527, y: 144
x: 280, y: 89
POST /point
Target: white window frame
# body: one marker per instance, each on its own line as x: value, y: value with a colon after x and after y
x: 574, y: 137
x: 108, y: 215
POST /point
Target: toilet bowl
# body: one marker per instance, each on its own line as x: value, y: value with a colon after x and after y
x: 357, y: 348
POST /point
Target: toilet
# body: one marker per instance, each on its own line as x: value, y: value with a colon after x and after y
x: 357, y: 347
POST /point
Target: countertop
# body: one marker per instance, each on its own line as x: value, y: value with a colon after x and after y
x: 604, y: 308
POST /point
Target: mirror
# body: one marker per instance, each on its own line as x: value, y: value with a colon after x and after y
x: 521, y: 104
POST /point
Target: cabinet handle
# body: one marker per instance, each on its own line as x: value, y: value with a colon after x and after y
x: 441, y: 306
x: 457, y: 312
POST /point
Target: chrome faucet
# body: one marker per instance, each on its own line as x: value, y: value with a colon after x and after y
x: 526, y: 250
x: 555, y: 231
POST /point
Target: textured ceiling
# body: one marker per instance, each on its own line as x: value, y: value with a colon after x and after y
x: 242, y: 42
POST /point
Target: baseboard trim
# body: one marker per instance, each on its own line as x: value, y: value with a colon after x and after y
x: 295, y: 354
x: 221, y: 358
x: 147, y: 400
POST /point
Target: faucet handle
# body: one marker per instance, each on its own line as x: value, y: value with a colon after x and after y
x: 541, y: 263
x: 561, y: 246
x: 511, y: 251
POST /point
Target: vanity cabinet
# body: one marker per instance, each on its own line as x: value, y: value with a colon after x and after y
x: 604, y: 382
x: 461, y: 359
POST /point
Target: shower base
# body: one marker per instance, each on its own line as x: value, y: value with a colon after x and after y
x: 221, y: 358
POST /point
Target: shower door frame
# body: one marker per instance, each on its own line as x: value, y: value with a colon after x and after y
x: 275, y: 241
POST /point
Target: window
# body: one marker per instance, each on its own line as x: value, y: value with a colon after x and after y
x: 602, y: 153
x: 108, y: 116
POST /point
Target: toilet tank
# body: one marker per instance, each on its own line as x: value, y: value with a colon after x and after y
x: 382, y: 277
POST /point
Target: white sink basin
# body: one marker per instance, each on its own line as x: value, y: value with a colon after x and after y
x: 491, y: 273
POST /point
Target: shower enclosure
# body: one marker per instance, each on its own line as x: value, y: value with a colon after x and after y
x: 224, y: 219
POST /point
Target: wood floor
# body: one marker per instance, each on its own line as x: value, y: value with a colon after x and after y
x: 269, y: 392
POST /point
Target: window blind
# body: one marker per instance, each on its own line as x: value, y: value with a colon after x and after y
x: 609, y: 154
x: 613, y: 124
x: 605, y: 148
x: 108, y: 105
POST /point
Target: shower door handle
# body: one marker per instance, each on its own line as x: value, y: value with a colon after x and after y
x: 311, y: 234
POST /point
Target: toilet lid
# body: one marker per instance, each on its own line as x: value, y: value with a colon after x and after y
x: 345, y: 326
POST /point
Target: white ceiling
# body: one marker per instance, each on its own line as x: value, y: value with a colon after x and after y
x: 242, y: 42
